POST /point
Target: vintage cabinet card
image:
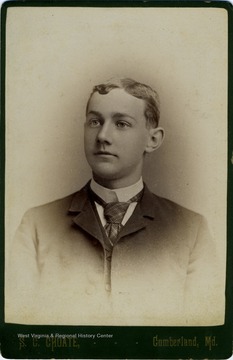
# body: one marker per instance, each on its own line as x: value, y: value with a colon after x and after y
x: 116, y: 179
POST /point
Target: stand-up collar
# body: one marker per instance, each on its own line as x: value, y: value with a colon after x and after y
x: 123, y: 194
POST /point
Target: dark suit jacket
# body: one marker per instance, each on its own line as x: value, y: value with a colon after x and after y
x: 164, y: 268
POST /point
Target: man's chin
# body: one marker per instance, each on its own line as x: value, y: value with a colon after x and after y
x: 105, y: 170
x: 105, y: 176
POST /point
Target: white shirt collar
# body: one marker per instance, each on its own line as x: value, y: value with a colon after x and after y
x: 122, y: 194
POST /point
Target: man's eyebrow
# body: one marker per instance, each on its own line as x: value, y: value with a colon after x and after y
x: 123, y: 115
x: 93, y: 112
x: 114, y: 115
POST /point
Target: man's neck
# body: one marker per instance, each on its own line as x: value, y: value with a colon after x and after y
x: 118, y: 183
x: 122, y: 194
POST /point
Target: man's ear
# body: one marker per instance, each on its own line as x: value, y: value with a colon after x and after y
x: 155, y: 139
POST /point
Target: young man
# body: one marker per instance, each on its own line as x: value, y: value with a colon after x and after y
x: 114, y: 253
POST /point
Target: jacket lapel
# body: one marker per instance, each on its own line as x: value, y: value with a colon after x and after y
x: 135, y: 223
x: 144, y: 210
x: 85, y: 216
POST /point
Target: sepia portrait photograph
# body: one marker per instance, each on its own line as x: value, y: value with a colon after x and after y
x: 116, y: 166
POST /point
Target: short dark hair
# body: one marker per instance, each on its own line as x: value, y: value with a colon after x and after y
x: 137, y: 89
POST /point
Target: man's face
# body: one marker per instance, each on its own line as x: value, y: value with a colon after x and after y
x: 116, y: 137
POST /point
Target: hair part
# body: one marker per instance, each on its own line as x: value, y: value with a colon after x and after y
x: 138, y: 90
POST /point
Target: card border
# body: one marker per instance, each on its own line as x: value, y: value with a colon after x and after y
x: 133, y: 341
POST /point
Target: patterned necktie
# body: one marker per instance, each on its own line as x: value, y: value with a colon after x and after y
x: 114, y: 213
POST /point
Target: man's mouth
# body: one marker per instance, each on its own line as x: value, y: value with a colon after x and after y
x: 104, y: 153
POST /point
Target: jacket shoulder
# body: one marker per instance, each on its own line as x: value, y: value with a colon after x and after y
x: 168, y: 207
x: 53, y: 212
x: 61, y: 203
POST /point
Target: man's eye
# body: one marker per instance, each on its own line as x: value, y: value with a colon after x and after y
x: 122, y: 124
x: 94, y: 122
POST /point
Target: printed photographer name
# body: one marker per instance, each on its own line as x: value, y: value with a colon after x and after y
x: 49, y: 341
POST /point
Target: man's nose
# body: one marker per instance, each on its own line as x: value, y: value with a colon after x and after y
x: 105, y: 133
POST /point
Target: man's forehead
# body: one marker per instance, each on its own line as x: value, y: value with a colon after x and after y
x: 116, y: 100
